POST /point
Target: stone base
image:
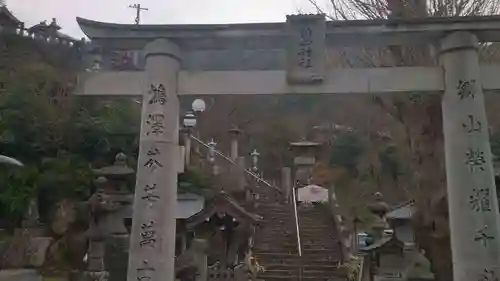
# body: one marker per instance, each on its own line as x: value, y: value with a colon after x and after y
x: 116, y: 257
x: 90, y: 276
x: 24, y: 251
x: 39, y: 246
x: 20, y: 275
x: 32, y: 231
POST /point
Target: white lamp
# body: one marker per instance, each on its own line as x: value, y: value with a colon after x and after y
x: 255, y: 158
x: 198, y: 105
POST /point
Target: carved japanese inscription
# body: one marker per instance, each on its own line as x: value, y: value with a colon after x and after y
x: 155, y: 124
x: 148, y: 226
x: 480, y: 200
x: 474, y: 159
x: 148, y: 234
x: 488, y: 275
x: 479, y: 193
x: 306, y: 49
x: 471, y: 125
x: 465, y: 89
x: 483, y: 236
x: 157, y: 94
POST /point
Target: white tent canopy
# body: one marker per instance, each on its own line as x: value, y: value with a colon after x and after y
x: 10, y: 161
x: 312, y: 193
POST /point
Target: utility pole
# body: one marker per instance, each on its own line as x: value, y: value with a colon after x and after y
x: 138, y: 10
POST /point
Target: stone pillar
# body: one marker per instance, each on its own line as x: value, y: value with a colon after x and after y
x: 286, y: 182
x: 187, y: 145
x: 239, y: 173
x: 234, y: 132
x: 152, y: 243
x: 472, y: 200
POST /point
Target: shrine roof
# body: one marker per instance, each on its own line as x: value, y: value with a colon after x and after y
x: 403, y: 211
x: 387, y: 242
x: 352, y: 32
x: 222, y: 203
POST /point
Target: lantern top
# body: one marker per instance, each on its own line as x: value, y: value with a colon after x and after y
x: 119, y: 168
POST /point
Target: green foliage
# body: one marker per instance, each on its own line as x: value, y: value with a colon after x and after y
x: 191, y: 181
x: 352, y: 268
x: 52, y: 180
x: 67, y: 176
x: 105, y: 128
x: 345, y: 152
x: 389, y: 162
x: 57, y: 136
x: 18, y: 187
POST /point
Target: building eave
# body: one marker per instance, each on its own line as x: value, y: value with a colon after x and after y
x: 224, y: 204
x: 353, y: 32
x: 98, y: 30
x: 8, y: 13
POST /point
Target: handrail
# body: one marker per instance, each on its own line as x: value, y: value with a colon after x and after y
x: 299, y: 247
x: 255, y: 176
x: 361, y: 268
x: 297, y: 228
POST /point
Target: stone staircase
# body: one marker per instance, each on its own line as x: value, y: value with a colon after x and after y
x: 276, y: 242
x: 321, y: 250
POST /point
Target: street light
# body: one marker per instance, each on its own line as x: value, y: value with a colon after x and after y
x: 10, y: 161
x: 211, y: 151
x: 198, y: 106
x: 255, y: 159
x: 189, y: 120
x: 189, y: 123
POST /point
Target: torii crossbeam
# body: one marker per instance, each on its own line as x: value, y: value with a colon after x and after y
x: 284, y: 58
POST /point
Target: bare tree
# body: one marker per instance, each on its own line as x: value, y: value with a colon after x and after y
x: 419, y: 115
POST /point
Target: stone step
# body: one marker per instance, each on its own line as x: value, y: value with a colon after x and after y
x: 307, y: 274
x: 293, y: 243
x: 293, y: 266
x: 304, y: 278
x: 276, y: 246
x: 319, y: 233
x: 278, y: 272
x: 306, y: 259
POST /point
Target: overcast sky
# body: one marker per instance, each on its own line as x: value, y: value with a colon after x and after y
x: 160, y: 11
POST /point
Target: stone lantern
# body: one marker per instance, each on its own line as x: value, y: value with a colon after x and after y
x: 379, y: 209
x: 111, y: 206
x: 237, y: 170
x: 304, y: 159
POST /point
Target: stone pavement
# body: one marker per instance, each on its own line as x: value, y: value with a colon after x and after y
x: 20, y: 275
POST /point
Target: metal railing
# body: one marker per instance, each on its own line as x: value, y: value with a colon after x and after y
x: 294, y: 202
x: 297, y: 229
x: 249, y: 172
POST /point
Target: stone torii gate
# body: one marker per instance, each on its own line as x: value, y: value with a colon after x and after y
x: 286, y: 58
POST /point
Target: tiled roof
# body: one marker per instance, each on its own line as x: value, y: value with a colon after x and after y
x: 5, y: 11
x: 225, y: 204
x: 402, y: 211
